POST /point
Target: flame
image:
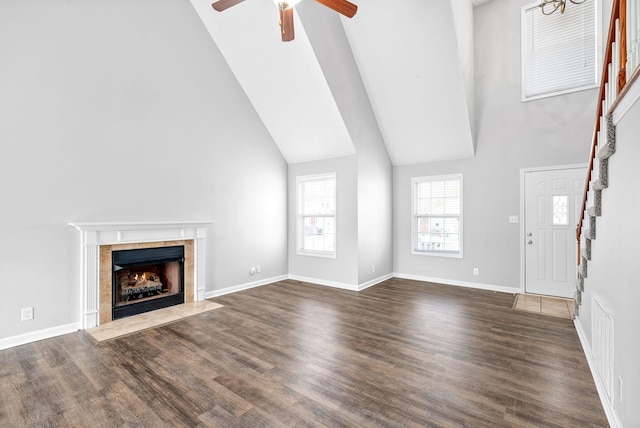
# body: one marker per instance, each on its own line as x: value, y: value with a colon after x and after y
x: 140, y: 278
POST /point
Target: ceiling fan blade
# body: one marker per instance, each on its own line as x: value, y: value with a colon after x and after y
x: 343, y: 7
x: 221, y: 5
x: 286, y: 23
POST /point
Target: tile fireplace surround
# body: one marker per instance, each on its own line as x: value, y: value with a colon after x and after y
x: 99, y: 239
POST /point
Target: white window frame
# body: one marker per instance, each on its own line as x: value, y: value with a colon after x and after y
x: 597, y: 49
x: 300, y: 216
x: 415, y: 216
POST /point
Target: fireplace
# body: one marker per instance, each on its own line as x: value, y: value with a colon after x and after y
x: 147, y: 279
x: 98, y: 240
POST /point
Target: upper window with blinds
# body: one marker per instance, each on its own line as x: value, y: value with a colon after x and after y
x: 317, y: 215
x: 559, y: 51
x: 436, y: 225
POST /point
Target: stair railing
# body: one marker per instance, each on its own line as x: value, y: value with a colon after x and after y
x: 618, y: 60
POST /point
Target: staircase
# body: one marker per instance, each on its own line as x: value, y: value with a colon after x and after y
x: 598, y: 181
x: 621, y: 60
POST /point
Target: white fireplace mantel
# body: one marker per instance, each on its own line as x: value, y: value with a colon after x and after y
x: 95, y: 234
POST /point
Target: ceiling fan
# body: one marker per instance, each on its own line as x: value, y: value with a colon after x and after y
x: 286, y: 12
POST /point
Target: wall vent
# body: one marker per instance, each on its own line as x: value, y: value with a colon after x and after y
x: 602, y: 344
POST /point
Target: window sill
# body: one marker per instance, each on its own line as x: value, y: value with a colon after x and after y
x: 450, y: 254
x: 320, y: 254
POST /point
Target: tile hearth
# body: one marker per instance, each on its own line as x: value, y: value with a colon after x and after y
x: 133, y: 324
x: 544, y: 305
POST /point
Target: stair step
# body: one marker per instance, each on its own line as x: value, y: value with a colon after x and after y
x: 594, y: 197
x: 583, y: 268
x: 578, y: 297
x: 607, y: 150
x: 590, y: 234
x: 603, y: 173
x: 592, y: 226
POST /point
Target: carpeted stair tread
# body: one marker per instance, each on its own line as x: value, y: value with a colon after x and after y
x: 594, y: 211
x: 580, y: 283
x: 603, y: 173
x: 597, y: 186
x: 582, y: 270
x: 607, y: 151
x: 590, y: 234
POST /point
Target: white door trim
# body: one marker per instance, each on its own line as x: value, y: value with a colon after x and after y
x: 523, y: 171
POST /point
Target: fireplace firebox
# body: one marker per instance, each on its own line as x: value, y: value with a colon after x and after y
x: 147, y: 279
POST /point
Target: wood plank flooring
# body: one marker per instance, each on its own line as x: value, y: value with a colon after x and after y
x: 401, y: 353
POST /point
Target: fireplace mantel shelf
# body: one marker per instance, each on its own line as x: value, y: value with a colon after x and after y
x: 110, y: 226
x: 95, y: 234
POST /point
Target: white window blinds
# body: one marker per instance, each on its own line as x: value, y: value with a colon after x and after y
x: 558, y: 50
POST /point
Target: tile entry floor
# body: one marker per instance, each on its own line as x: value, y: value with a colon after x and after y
x: 544, y: 305
x: 135, y: 323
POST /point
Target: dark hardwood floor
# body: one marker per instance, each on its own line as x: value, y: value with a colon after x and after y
x: 401, y: 353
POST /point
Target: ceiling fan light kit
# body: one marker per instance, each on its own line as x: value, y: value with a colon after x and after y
x: 343, y: 7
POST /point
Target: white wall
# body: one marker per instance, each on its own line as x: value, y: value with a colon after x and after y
x: 463, y: 20
x: 510, y: 135
x: 612, y: 274
x: 372, y: 199
x: 124, y: 111
x: 343, y: 270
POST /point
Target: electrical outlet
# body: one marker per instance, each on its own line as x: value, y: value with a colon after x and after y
x: 476, y: 272
x: 252, y: 270
x: 513, y: 219
x: 27, y: 313
x: 258, y: 268
x: 373, y: 268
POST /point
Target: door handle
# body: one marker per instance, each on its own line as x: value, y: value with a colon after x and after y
x: 530, y: 242
x: 529, y: 234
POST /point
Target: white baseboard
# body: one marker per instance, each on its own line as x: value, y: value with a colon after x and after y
x: 240, y: 287
x: 34, y: 336
x: 481, y: 286
x: 374, y: 281
x: 612, y: 416
x: 342, y: 285
x: 334, y: 284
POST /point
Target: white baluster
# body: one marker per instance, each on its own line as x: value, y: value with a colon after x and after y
x: 613, y: 77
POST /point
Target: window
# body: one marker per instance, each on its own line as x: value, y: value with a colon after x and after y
x: 559, y: 50
x: 560, y: 209
x: 317, y: 215
x: 437, y: 215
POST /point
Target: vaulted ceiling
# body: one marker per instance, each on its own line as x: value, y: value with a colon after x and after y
x: 415, y: 60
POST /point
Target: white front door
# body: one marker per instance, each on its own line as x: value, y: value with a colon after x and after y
x: 552, y: 199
